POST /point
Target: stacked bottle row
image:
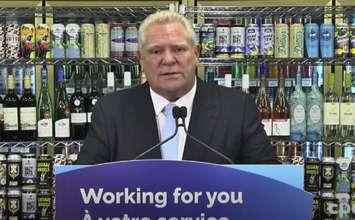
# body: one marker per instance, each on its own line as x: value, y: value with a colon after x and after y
x: 26, y: 188
x: 71, y: 40
x: 68, y: 116
x: 279, y: 37
x: 331, y: 179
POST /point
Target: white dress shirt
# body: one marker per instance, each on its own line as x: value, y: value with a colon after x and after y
x: 159, y: 102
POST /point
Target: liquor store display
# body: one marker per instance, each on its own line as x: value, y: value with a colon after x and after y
x: 280, y: 60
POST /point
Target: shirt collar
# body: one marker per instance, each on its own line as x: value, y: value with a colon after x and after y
x: 159, y: 102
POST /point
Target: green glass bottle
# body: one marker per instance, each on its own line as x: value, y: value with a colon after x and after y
x: 45, y: 110
x: 347, y: 108
x: 331, y: 113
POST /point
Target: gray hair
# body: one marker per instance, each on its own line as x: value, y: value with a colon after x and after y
x: 165, y: 17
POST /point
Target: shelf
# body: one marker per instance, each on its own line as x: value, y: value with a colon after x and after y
x: 271, y: 82
x: 26, y: 147
x: 20, y: 12
x: 79, y: 61
x: 117, y: 13
x: 232, y: 61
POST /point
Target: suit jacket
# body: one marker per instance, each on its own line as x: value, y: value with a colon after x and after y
x: 124, y: 126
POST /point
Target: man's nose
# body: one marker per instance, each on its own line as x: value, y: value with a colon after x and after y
x: 169, y: 58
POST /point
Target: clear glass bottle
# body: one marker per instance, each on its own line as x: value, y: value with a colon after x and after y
x: 298, y: 112
x: 45, y: 110
x: 314, y: 111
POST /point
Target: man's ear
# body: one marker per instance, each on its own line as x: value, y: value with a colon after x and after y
x: 197, y: 52
x: 140, y: 58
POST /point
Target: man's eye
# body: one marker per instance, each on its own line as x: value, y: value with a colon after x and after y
x: 179, y: 49
x: 155, y: 51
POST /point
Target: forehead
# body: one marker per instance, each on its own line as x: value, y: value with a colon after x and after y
x: 166, y: 31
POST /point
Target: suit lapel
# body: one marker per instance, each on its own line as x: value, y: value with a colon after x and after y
x: 202, y: 122
x: 143, y: 125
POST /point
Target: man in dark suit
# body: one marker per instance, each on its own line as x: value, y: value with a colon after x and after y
x: 127, y: 123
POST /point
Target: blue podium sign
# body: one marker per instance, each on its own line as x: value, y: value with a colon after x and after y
x: 175, y: 190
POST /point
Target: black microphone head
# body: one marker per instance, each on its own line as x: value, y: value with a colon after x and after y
x: 176, y: 112
x: 183, y: 111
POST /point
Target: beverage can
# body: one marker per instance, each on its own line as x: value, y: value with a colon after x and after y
x: 328, y: 174
x: 12, y: 39
x: 44, y: 203
x: 117, y: 40
x: 3, y: 204
x: 131, y: 41
x: 282, y: 36
x: 238, y: 38
x: 102, y: 40
x: 326, y: 33
x: 3, y: 170
x: 342, y: 40
x: 267, y: 38
x: 208, y: 42
x: 252, y: 38
x: 14, y: 173
x: 28, y: 42
x: 297, y: 40
x: 45, y: 171
x: 311, y: 31
x: 14, y: 203
x: 29, y: 169
x: 29, y: 202
x: 2, y: 40
x: 43, y: 40
x: 87, y: 37
x: 223, y: 38
x: 58, y: 48
x: 73, y: 45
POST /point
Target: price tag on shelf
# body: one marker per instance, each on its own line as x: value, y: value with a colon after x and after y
x: 289, y: 82
x: 272, y: 82
x: 306, y: 82
x: 254, y: 83
x: 228, y: 80
x: 238, y: 83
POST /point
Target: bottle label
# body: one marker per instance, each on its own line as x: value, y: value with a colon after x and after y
x: 62, y: 128
x: 89, y: 117
x: 267, y: 126
x: 28, y: 118
x: 299, y: 114
x: 45, y: 128
x: 331, y: 113
x: 347, y: 113
x: 281, y: 127
x: 10, y: 119
x: 315, y: 114
x: 78, y: 118
x: 238, y: 40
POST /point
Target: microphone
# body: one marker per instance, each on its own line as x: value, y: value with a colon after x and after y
x: 162, y: 142
x: 181, y: 113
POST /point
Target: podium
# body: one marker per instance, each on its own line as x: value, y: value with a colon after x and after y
x: 180, y: 190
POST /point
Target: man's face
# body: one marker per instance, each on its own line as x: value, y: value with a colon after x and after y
x: 169, y: 60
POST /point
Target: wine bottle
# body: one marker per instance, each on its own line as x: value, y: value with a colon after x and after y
x: 347, y: 108
x: 298, y: 112
x: 28, y: 122
x: 45, y: 110
x: 78, y: 111
x: 314, y: 111
x: 280, y: 113
x: 62, y: 109
x: 263, y: 106
x: 92, y: 99
x: 11, y: 109
x: 331, y: 113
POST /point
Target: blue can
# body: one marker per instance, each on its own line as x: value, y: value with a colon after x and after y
x: 327, y: 40
x: 311, y: 31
